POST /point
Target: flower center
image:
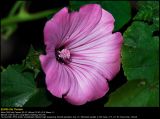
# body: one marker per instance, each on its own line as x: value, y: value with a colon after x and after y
x: 63, y: 56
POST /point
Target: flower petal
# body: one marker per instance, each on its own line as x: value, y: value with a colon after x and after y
x: 55, y: 75
x: 103, y: 54
x: 87, y: 85
x: 88, y: 17
x: 55, y: 29
x: 64, y: 28
x: 46, y: 61
x: 114, y: 55
x: 94, y: 50
x: 58, y: 80
x: 104, y: 27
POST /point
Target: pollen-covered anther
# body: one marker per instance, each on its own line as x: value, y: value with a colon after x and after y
x: 64, y: 54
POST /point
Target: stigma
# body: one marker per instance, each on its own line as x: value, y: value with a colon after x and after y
x: 63, y: 55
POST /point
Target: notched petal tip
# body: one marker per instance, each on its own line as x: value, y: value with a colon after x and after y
x: 42, y: 58
x: 61, y: 12
x: 42, y: 61
x: 119, y: 35
x: 119, y: 38
x: 108, y: 16
x: 90, y: 6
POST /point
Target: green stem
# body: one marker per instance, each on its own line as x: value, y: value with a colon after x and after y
x: 26, y: 17
x: 7, y: 31
x: 15, y: 7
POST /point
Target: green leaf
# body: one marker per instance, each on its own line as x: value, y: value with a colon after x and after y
x: 39, y: 99
x: 148, y: 11
x: 140, y: 61
x: 140, y: 52
x: 121, y: 10
x: 135, y: 93
x: 18, y: 88
x: 32, y: 60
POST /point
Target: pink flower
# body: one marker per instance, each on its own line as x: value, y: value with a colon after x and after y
x: 82, y: 53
